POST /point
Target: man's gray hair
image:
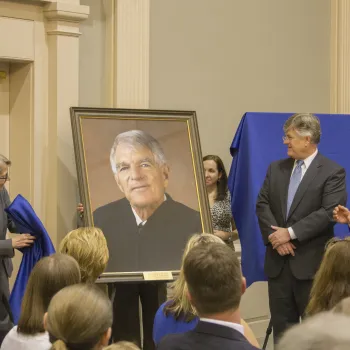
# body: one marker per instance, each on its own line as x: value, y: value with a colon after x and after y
x: 4, y: 161
x: 305, y: 124
x: 324, y: 331
x: 137, y: 138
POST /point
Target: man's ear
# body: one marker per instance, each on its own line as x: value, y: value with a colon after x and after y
x: 165, y: 171
x: 308, y: 140
x: 105, y: 337
x: 116, y: 178
x: 244, y: 285
x: 45, y: 321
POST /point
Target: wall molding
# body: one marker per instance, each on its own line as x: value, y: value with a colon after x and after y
x: 340, y: 56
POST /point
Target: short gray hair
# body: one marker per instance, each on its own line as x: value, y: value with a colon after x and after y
x: 324, y: 331
x: 305, y: 124
x: 138, y: 138
x: 4, y: 161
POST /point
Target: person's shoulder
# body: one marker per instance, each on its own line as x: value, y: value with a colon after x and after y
x: 281, y: 162
x: 172, y: 341
x: 112, y: 207
x: 180, y: 207
x: 160, y: 312
x: 329, y: 163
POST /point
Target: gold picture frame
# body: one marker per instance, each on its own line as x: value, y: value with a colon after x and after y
x: 108, y: 206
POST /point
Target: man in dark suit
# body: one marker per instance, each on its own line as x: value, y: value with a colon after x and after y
x: 294, y: 209
x: 145, y: 231
x: 215, y: 286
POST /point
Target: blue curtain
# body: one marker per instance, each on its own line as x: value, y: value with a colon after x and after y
x: 27, y: 221
x: 257, y: 143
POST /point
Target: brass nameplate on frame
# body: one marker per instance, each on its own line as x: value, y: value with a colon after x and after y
x: 157, y: 275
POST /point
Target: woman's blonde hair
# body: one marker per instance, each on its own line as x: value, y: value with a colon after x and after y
x: 332, y: 280
x: 179, y: 305
x: 48, y: 276
x: 88, y: 246
x: 78, y: 316
x: 122, y: 345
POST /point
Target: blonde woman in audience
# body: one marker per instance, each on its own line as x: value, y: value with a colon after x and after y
x: 88, y: 246
x: 177, y: 315
x: 122, y: 345
x: 49, y: 275
x: 79, y: 317
x: 332, y: 280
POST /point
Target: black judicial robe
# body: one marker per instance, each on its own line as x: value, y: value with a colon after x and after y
x: 156, y: 246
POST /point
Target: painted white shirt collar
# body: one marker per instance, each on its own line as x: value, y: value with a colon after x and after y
x: 138, y: 219
x: 236, y: 326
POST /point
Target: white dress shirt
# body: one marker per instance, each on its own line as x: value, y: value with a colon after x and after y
x: 236, y: 326
x: 138, y: 219
x: 304, y: 167
x: 19, y: 341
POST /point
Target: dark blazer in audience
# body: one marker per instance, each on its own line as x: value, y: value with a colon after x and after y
x: 206, y: 335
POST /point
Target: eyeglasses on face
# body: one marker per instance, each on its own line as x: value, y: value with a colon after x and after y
x: 4, y: 178
x: 287, y: 138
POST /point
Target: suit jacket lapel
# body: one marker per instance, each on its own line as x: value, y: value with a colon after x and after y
x: 287, y: 168
x: 310, y: 174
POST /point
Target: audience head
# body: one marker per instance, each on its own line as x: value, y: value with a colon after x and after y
x: 214, y: 279
x: 215, y: 174
x: 88, y: 246
x: 325, y: 331
x: 180, y: 306
x: 332, y: 280
x: 79, y: 317
x: 122, y: 345
x: 49, y: 276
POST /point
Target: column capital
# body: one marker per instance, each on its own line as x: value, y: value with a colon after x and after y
x: 64, y: 18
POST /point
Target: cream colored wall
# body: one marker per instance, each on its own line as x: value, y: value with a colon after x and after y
x: 226, y: 57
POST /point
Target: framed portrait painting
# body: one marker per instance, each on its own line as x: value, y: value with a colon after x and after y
x: 141, y: 180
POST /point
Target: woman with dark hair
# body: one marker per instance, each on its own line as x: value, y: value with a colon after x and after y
x: 219, y: 198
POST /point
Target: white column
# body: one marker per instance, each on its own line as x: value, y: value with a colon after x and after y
x: 63, y: 44
x: 131, y: 74
x: 340, y: 56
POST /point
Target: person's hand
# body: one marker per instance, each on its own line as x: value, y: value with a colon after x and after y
x: 222, y: 234
x: 280, y: 236
x: 23, y: 240
x: 341, y: 214
x: 286, y: 248
x: 80, y: 209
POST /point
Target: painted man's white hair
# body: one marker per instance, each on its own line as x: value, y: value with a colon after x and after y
x: 136, y: 138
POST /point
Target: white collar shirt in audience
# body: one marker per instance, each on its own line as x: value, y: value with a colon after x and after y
x: 19, y: 341
x: 236, y: 326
